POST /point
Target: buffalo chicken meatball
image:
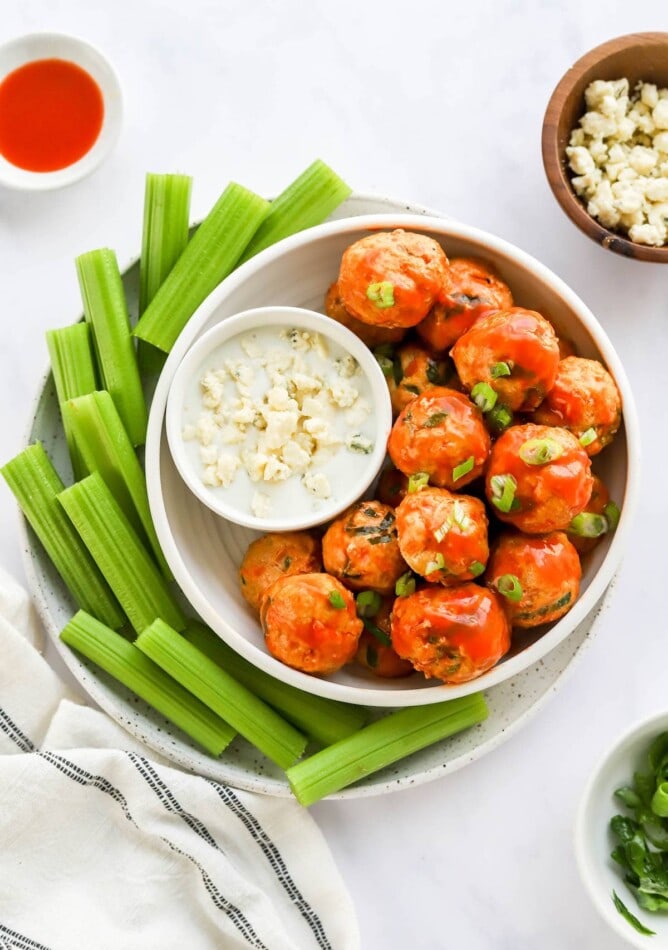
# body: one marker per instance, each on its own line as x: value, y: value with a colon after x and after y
x: 371, y: 335
x: 538, y: 478
x: 443, y: 536
x: 393, y: 278
x: 475, y: 289
x: 310, y: 623
x: 539, y: 577
x: 361, y: 548
x: 585, y: 400
x: 276, y: 555
x: 374, y: 650
x: 412, y: 370
x: 451, y: 633
x: 442, y: 434
x: 515, y: 351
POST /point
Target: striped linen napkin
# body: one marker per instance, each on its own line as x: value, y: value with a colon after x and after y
x: 104, y: 845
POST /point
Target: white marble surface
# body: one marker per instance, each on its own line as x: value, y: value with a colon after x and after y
x: 442, y: 104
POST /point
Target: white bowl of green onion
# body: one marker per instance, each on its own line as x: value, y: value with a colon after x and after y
x: 621, y: 834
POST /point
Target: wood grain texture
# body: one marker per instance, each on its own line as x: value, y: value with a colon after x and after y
x: 638, y: 56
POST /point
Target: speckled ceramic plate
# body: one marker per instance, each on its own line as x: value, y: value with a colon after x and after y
x: 511, y: 703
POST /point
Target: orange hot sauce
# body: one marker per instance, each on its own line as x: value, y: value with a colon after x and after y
x: 51, y: 113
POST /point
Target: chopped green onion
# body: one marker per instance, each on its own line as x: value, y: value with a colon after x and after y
x: 588, y: 525
x: 210, y: 255
x: 384, y: 349
x: 368, y: 603
x: 509, y: 585
x: 499, y: 369
x: 588, y: 437
x: 324, y: 720
x: 442, y: 530
x: 106, y: 312
x: 381, y: 294
x: 405, y: 585
x: 463, y: 468
x: 336, y: 600
x: 459, y: 516
x: 165, y: 235
x: 417, y: 481
x: 380, y: 744
x: 307, y: 201
x: 36, y: 486
x: 385, y: 364
x: 375, y: 631
x: 438, y: 564
x: 435, y: 419
x: 484, y: 397
x: 503, y: 492
x: 253, y: 719
x: 612, y: 515
x: 73, y: 368
x: 499, y: 419
x: 476, y: 568
x: 540, y: 451
x: 104, y: 447
x: 123, y: 560
x: 122, y: 660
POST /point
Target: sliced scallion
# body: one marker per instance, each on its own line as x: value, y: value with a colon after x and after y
x: 503, y: 492
x: 476, y: 568
x: 324, y: 720
x: 368, y: 603
x: 336, y: 600
x: 210, y: 255
x: 417, y: 481
x: 588, y: 525
x: 499, y: 419
x: 405, y: 585
x: 123, y: 560
x: 484, y: 397
x: 122, y: 660
x: 588, y: 437
x: 380, y: 744
x: 612, y: 515
x: 106, y: 311
x: 381, y: 294
x: 253, y: 719
x: 385, y: 364
x: 376, y: 632
x: 509, y: 586
x: 463, y: 468
x: 500, y: 369
x: 540, y: 451
x: 437, y: 564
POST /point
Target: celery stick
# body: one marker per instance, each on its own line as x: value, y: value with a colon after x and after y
x: 106, y: 311
x: 210, y: 255
x: 255, y: 721
x: 308, y: 201
x: 36, y: 485
x: 165, y: 235
x: 104, y: 447
x: 129, y: 666
x: 73, y: 368
x: 124, y: 561
x: 381, y: 743
x: 324, y: 720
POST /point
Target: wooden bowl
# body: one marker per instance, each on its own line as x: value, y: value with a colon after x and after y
x: 638, y: 56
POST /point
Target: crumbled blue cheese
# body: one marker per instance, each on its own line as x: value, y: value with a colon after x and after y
x: 279, y: 411
x: 620, y: 158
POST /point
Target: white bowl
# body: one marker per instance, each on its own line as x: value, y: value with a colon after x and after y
x: 204, y: 552
x: 292, y: 508
x: 36, y: 46
x: 594, y: 841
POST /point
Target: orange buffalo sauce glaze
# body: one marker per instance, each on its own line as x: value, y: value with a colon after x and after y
x: 51, y: 113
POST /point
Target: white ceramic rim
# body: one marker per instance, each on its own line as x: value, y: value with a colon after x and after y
x: 246, y: 322
x: 646, y: 728
x: 34, y: 46
x: 369, y: 696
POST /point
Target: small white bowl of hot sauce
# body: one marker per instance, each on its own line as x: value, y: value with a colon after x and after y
x: 60, y: 110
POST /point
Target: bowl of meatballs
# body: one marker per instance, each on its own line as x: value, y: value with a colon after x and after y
x: 499, y: 516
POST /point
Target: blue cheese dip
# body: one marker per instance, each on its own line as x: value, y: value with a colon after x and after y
x: 280, y: 420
